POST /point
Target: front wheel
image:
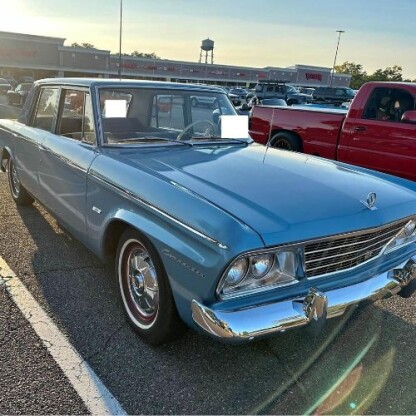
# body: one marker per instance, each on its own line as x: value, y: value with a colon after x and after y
x: 286, y: 141
x: 145, y: 290
x: 19, y: 193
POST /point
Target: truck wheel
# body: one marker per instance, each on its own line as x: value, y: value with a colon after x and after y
x: 19, y: 193
x: 145, y: 290
x: 286, y: 141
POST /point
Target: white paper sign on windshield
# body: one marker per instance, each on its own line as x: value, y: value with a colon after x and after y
x: 115, y: 108
x: 234, y: 127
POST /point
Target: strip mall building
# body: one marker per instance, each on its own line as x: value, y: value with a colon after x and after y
x: 42, y: 57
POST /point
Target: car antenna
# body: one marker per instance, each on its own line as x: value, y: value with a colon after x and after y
x: 270, y: 136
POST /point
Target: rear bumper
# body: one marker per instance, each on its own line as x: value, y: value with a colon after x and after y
x: 241, y: 325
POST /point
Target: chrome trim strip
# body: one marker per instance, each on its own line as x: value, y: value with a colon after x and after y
x: 246, y: 324
x: 134, y: 197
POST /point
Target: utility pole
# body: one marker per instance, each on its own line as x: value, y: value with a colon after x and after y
x: 340, y: 32
x: 121, y: 30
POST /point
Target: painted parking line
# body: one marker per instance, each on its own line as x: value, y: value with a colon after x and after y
x: 86, y: 383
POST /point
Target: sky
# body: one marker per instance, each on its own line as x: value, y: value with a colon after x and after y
x: 256, y: 33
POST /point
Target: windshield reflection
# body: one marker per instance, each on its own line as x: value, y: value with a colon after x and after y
x: 140, y: 115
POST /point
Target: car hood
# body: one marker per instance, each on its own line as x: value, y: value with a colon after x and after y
x: 283, y: 196
x: 299, y: 94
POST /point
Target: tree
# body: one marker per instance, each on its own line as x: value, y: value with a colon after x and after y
x: 151, y: 55
x: 393, y: 73
x: 84, y: 45
x: 358, y: 75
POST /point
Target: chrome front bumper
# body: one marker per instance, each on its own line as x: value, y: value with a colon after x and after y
x: 246, y: 324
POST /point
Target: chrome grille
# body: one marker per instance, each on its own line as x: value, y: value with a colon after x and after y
x: 345, y: 252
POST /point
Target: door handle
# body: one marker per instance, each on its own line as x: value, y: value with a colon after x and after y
x: 360, y: 128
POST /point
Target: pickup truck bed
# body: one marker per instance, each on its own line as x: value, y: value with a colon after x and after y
x: 378, y: 131
x: 318, y: 127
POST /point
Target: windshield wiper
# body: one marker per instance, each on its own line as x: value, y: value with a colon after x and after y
x: 152, y: 139
x: 216, y: 138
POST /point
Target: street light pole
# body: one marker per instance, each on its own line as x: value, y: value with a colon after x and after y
x: 119, y: 49
x: 340, y: 32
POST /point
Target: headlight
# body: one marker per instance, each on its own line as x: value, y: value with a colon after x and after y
x: 261, y: 265
x: 258, y: 272
x: 237, y: 272
x: 406, y: 235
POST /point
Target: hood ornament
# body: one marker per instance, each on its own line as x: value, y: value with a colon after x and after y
x: 371, y: 201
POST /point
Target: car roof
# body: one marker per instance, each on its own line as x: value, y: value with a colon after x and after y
x: 115, y: 82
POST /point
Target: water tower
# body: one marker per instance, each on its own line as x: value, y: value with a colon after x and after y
x: 207, y: 49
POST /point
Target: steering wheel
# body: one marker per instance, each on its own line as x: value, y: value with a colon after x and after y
x: 210, y: 131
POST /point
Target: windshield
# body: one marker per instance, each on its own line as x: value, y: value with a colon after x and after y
x: 291, y: 89
x: 25, y: 87
x: 144, y: 116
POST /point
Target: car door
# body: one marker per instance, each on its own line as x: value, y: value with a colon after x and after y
x: 376, y: 138
x: 66, y: 156
x: 30, y: 137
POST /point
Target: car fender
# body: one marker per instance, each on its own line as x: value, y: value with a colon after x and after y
x: 186, y: 256
x: 5, y: 155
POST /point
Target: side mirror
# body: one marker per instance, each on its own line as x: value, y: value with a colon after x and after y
x: 409, y: 117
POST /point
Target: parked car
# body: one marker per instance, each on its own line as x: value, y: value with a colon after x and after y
x: 19, y: 94
x: 306, y: 90
x: 377, y: 131
x: 235, y: 99
x: 11, y: 81
x: 207, y: 227
x: 279, y: 89
x: 240, y: 92
x: 333, y: 95
x: 4, y: 86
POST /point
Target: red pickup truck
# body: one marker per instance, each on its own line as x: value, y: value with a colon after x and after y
x: 378, y: 131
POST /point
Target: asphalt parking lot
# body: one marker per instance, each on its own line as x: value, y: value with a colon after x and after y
x: 359, y: 364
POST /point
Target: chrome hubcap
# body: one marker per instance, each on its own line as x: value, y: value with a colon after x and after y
x: 142, y: 283
x: 15, y: 181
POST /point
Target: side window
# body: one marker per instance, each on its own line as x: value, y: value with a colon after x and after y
x: 388, y: 104
x: 168, y: 111
x: 340, y: 93
x: 46, y: 108
x: 77, y: 121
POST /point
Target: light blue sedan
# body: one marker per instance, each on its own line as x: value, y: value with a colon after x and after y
x: 205, y: 227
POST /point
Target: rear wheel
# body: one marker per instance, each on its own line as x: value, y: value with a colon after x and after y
x: 145, y: 290
x: 286, y: 141
x: 19, y: 193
